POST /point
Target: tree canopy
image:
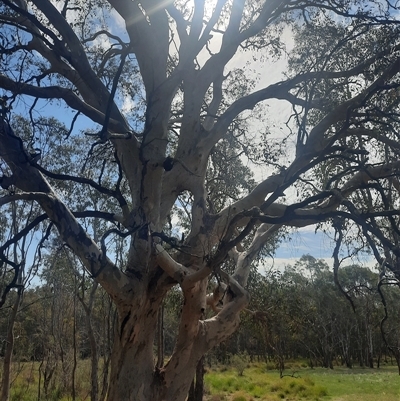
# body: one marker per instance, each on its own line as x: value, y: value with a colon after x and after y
x: 157, y: 122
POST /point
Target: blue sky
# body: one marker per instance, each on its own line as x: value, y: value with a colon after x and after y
x: 306, y: 241
x: 317, y: 244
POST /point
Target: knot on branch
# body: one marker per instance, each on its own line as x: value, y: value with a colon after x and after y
x: 6, y: 182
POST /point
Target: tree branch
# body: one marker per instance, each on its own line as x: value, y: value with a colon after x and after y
x: 29, y: 179
x: 56, y: 92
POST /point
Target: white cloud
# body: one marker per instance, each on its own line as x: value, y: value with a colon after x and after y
x: 279, y: 264
x: 276, y: 264
x: 127, y: 105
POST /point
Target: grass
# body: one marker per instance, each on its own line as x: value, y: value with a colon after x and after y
x: 259, y: 382
x: 340, y: 384
x: 360, y: 384
x: 25, y: 380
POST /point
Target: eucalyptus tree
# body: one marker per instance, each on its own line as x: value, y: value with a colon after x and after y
x: 151, y: 85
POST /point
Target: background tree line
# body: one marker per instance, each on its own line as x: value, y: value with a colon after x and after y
x: 305, y: 315
x: 296, y: 314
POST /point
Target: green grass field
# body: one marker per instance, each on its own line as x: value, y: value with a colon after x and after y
x: 25, y: 382
x: 340, y: 384
x: 258, y: 383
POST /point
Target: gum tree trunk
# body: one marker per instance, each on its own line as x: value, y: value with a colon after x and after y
x: 134, y: 376
x: 132, y: 364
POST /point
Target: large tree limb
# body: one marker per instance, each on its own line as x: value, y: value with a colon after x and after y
x: 150, y: 45
x: 57, y: 92
x: 185, y: 276
x: 28, y: 179
x: 246, y: 258
x: 77, y: 56
x: 280, y: 90
x: 221, y: 326
x: 316, y: 143
x: 174, y: 269
x: 82, y: 75
x: 305, y: 213
x: 94, y: 93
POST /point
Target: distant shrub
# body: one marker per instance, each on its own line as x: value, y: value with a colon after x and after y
x: 240, y: 362
x: 270, y: 366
